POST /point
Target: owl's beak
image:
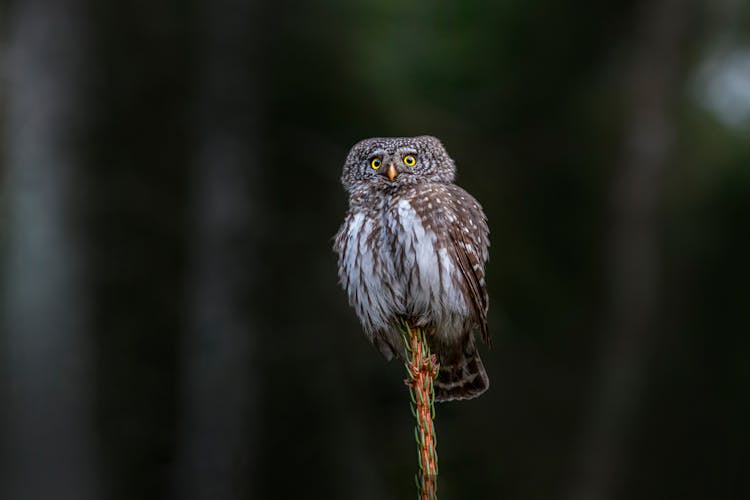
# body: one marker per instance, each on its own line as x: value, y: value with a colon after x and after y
x: 391, y: 172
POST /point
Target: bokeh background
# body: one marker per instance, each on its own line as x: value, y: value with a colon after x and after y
x: 172, y: 325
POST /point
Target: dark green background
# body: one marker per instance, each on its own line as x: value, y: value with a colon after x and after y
x: 618, y: 201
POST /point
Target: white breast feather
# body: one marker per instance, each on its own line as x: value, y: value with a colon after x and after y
x: 363, y: 282
x: 427, y: 271
x: 432, y: 271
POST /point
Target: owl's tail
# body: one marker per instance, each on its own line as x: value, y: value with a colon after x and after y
x: 462, y: 375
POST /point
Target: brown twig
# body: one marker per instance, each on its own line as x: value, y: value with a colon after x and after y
x: 423, y: 368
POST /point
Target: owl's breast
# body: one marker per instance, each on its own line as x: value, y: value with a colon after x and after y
x: 366, y: 270
x: 424, y: 273
x: 395, y: 262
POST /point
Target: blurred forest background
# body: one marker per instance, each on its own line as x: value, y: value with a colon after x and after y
x: 172, y: 326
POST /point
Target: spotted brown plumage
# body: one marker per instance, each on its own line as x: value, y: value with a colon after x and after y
x: 413, y: 247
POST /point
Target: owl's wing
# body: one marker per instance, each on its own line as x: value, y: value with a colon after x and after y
x: 469, y: 237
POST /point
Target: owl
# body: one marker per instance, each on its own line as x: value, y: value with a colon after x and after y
x: 413, y: 247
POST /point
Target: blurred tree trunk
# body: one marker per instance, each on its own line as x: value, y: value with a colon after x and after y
x: 630, y: 319
x: 219, y: 401
x: 49, y: 442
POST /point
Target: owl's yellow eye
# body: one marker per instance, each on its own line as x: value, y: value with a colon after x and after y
x: 409, y: 160
x: 375, y: 163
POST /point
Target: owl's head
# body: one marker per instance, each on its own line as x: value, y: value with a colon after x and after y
x: 395, y: 161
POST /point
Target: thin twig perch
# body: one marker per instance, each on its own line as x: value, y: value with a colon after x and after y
x: 422, y: 368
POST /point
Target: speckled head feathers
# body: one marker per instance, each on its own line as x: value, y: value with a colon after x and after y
x: 431, y: 162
